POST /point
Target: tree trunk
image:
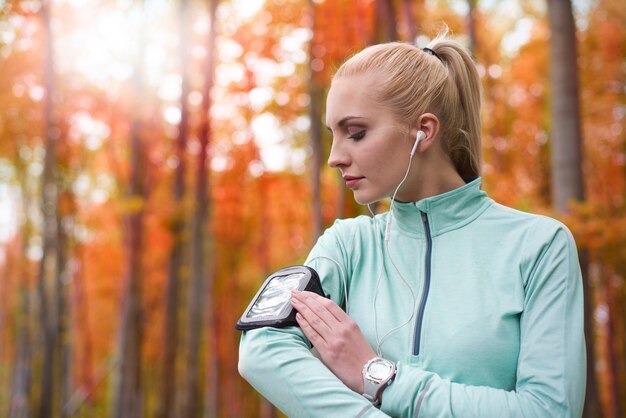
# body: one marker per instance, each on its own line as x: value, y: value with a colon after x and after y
x: 51, y: 261
x: 471, y: 25
x: 411, y: 26
x: 84, y: 354
x: 202, y: 262
x: 177, y: 255
x: 612, y: 348
x: 592, y: 401
x: 567, y: 176
x: 20, y: 405
x: 63, y: 380
x: 266, y: 409
x: 317, y: 151
x: 127, y: 390
x: 385, y: 29
x: 22, y: 372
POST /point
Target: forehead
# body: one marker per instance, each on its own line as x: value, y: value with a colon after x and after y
x: 353, y: 95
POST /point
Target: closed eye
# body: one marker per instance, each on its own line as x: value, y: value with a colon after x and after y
x: 358, y: 135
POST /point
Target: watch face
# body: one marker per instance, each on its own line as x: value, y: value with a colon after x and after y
x: 380, y: 370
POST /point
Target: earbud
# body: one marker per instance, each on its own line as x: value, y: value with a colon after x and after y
x: 420, y: 136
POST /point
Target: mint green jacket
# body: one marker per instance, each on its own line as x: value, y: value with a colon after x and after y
x: 495, y: 330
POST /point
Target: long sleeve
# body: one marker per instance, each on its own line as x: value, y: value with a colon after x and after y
x: 551, y: 365
x: 279, y: 364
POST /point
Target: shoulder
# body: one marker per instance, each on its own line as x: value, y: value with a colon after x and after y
x: 348, y: 227
x: 534, y: 226
x: 542, y: 242
x: 350, y: 233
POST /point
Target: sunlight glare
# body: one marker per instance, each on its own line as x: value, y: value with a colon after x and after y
x: 36, y: 93
x: 229, y: 50
x: 100, y: 50
x: 93, y: 190
x: 34, y: 251
x: 513, y: 40
x: 172, y: 115
x: 275, y: 153
x: 7, y: 33
x: 100, y: 42
x: 155, y: 59
x: 227, y: 73
x: 219, y: 163
x: 260, y: 97
x: 9, y: 198
x: 92, y: 131
x: 170, y: 88
x: 247, y: 8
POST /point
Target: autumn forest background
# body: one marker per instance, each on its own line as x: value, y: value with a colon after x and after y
x: 159, y: 158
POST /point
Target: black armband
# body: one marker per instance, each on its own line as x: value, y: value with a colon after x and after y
x: 271, y: 306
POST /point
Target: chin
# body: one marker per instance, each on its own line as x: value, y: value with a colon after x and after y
x: 366, y: 199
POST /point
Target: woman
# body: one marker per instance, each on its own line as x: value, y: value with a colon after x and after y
x: 448, y: 305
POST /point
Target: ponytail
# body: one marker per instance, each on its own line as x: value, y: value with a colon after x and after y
x: 460, y: 100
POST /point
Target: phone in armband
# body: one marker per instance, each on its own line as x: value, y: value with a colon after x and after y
x: 271, y: 306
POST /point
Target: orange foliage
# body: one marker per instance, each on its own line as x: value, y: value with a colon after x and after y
x: 260, y: 219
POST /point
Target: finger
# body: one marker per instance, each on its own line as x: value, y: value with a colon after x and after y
x: 318, y: 305
x: 328, y: 304
x: 311, y: 317
x: 315, y: 338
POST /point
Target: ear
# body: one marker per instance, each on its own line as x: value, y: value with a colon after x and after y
x: 429, y: 124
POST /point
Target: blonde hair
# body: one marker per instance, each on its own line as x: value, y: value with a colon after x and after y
x: 414, y: 82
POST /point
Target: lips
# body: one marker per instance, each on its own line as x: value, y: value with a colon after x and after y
x: 352, y: 181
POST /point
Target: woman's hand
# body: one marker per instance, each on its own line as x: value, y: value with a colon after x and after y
x: 335, y: 335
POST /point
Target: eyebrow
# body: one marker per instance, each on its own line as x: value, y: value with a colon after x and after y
x: 345, y: 120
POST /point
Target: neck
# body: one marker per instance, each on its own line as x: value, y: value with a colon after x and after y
x: 429, y: 177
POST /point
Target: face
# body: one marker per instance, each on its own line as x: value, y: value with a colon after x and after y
x: 370, y: 146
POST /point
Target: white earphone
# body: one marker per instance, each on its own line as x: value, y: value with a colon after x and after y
x: 420, y: 136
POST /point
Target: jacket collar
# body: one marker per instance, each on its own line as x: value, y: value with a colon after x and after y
x: 445, y: 212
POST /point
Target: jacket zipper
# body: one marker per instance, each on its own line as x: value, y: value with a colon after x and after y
x: 422, y: 305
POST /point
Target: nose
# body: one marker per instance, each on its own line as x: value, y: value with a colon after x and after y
x: 338, y: 157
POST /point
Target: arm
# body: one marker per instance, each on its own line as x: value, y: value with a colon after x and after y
x: 278, y: 363
x: 551, y: 366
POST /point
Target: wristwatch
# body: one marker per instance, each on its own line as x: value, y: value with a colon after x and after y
x: 378, y: 373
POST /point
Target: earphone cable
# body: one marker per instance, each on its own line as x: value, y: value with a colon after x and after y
x: 379, y: 341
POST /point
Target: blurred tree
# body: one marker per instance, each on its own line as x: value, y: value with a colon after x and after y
x: 316, y: 92
x: 567, y: 176
x: 20, y: 405
x: 169, y: 386
x: 203, y: 255
x: 411, y: 25
x: 51, y: 289
x: 385, y: 27
x: 128, y: 399
x: 471, y: 25
x: 202, y: 258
